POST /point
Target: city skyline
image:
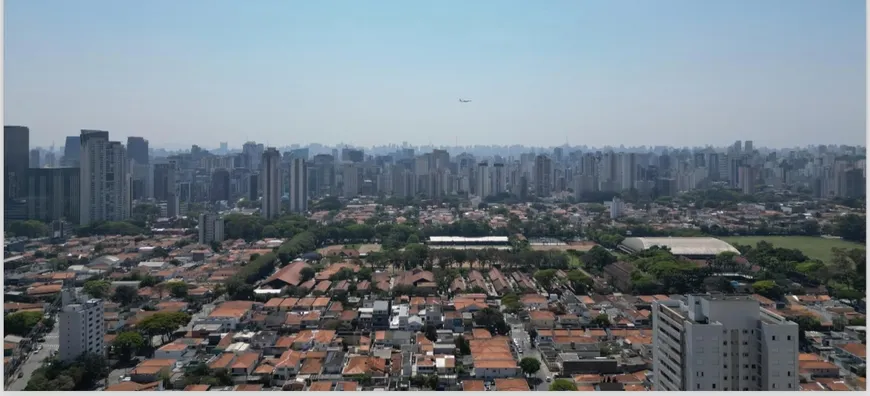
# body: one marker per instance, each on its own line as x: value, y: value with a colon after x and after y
x: 784, y: 74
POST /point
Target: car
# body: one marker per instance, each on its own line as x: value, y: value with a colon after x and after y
x: 20, y: 374
x: 549, y: 378
x: 519, y: 350
x: 41, y: 339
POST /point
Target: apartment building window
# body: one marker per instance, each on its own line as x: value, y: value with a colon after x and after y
x: 714, y: 386
x: 788, y: 338
x: 788, y: 373
x: 773, y: 386
x: 773, y: 338
x: 789, y: 385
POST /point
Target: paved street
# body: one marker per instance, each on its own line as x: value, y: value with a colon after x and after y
x: 34, y: 360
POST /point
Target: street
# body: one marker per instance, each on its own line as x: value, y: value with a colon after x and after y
x: 543, y: 373
x: 34, y: 359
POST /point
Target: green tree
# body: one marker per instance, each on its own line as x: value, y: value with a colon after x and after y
x: 21, y: 322
x: 127, y: 343
x: 852, y: 227
x: 530, y: 365
x: 561, y: 384
x: 29, y: 229
x: 163, y: 323
x: 768, y: 288
x: 598, y: 257
x: 178, y: 289
x: 463, y: 346
x: 545, y: 277
x: 602, y: 320
x: 431, y: 333
x: 125, y: 295
x: 579, y: 281
x: 306, y: 274
x: 97, y: 288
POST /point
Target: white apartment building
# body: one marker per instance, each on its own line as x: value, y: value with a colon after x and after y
x: 298, y: 185
x: 211, y: 228
x: 722, y: 343
x: 105, y: 179
x: 271, y: 180
x: 82, y: 329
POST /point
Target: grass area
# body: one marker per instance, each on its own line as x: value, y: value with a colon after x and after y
x: 574, y: 261
x: 813, y: 247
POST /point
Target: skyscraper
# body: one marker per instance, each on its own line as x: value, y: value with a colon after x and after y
x: 164, y: 181
x: 137, y: 149
x: 16, y: 161
x: 543, y: 176
x: 35, y: 159
x: 53, y: 194
x: 211, y: 228
x: 271, y: 176
x: 105, y: 179
x: 220, y: 185
x: 298, y: 185
x: 484, y: 183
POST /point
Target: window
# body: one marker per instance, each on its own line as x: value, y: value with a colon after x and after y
x: 788, y: 373
x: 726, y: 378
x: 789, y: 385
x: 745, y: 366
x: 714, y: 386
x: 773, y: 386
x: 788, y: 338
x: 773, y: 338
x: 753, y: 366
x: 699, y: 386
x: 725, y: 343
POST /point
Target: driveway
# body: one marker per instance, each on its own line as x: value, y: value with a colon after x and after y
x: 34, y: 359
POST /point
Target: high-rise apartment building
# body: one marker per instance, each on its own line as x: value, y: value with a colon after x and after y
x: 16, y: 160
x: 81, y: 326
x: 211, y: 228
x: 164, y: 181
x: 543, y: 176
x: 483, y: 181
x: 298, y: 184
x: 105, y: 179
x: 722, y: 343
x: 271, y: 177
x: 498, y: 178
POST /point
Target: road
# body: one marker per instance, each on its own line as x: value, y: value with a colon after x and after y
x: 543, y: 373
x: 34, y: 359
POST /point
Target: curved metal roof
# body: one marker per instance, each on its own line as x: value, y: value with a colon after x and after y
x: 682, y: 246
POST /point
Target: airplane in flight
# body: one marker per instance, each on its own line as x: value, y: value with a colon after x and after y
x: 464, y: 100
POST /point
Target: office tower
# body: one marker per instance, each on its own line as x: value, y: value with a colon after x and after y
x: 105, y: 179
x: 628, y: 166
x: 81, y: 326
x: 35, y: 160
x: 747, y: 146
x: 271, y: 177
x: 211, y: 228
x: 722, y: 343
x: 298, y: 185
x: 498, y: 178
x: 137, y: 149
x: 543, y: 176
x: 220, y: 185
x: 164, y: 181
x: 16, y: 161
x: 53, y: 194
x: 71, y: 151
x: 141, y: 185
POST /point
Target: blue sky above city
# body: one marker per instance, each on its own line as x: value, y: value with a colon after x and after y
x: 672, y: 72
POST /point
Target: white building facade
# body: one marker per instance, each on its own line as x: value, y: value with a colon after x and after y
x: 722, y: 343
x: 81, y: 327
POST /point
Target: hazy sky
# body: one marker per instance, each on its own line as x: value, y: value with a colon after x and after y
x: 678, y: 72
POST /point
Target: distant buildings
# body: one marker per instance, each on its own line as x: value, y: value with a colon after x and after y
x: 298, y: 184
x: 211, y: 228
x: 54, y: 194
x: 722, y: 343
x: 105, y: 179
x: 271, y: 177
x: 16, y: 161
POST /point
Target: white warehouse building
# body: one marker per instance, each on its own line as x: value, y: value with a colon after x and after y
x: 722, y: 343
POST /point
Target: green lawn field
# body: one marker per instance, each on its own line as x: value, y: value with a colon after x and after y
x: 813, y: 247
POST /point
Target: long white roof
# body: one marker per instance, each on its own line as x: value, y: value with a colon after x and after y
x: 688, y: 246
x: 453, y: 239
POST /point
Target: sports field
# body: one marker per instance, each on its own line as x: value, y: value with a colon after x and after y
x: 813, y: 247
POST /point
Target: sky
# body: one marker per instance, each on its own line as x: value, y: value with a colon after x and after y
x: 782, y: 73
